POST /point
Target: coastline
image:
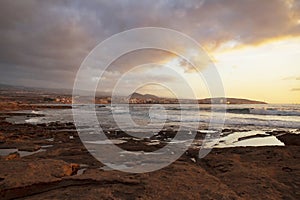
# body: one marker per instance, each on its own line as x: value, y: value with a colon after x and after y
x: 59, y: 164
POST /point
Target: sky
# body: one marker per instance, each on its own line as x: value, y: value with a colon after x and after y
x: 254, y: 44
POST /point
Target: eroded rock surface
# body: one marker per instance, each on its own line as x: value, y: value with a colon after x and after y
x: 54, y: 156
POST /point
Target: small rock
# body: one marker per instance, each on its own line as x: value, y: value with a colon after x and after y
x: 12, y: 156
x: 71, y: 169
x: 29, y: 147
x: 287, y: 169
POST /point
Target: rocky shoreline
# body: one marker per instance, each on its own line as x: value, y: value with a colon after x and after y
x: 48, y: 161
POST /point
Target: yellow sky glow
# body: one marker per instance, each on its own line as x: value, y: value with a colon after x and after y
x: 267, y: 72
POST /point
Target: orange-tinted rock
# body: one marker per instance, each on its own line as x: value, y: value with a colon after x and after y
x: 2, y: 138
x: 70, y: 169
x: 12, y: 156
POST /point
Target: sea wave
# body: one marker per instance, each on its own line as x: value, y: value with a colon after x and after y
x: 262, y: 111
x: 230, y: 121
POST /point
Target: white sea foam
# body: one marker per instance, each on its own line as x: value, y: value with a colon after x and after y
x: 263, y: 116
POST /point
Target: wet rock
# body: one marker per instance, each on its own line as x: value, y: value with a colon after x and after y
x: 252, y: 136
x: 227, y: 131
x: 277, y: 132
x: 29, y: 147
x: 290, y: 139
x: 2, y: 138
x: 287, y: 169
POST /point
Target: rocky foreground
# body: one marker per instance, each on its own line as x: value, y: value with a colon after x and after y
x: 48, y: 161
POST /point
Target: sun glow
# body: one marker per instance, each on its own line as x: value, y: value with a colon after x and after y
x: 260, y: 72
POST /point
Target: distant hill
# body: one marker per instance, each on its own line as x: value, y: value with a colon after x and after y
x: 220, y: 100
x: 61, y: 91
x: 34, y: 89
x: 223, y: 100
x: 10, y: 87
x: 136, y: 95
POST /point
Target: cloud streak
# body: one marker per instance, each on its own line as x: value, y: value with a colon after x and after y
x: 295, y: 89
x: 291, y: 78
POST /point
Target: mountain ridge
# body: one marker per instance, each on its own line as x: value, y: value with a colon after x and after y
x: 216, y: 100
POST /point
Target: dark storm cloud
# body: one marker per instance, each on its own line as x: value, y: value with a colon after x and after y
x: 44, y: 42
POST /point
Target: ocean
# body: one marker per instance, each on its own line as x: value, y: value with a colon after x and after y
x: 256, y: 116
x: 244, y: 120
